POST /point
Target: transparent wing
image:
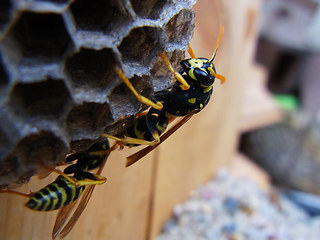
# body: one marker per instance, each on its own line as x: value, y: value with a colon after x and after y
x: 143, y: 152
x: 85, y: 197
x: 77, y: 213
x: 62, y: 217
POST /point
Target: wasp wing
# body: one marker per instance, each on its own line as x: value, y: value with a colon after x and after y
x: 64, y: 213
x: 62, y: 217
x: 143, y: 152
x: 77, y: 213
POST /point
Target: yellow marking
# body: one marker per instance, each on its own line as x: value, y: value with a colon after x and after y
x: 211, y: 71
x: 156, y: 137
x: 196, y: 63
x: 206, y: 88
x: 56, y: 200
x: 48, y: 198
x: 73, y: 192
x: 201, y: 105
x: 190, y: 74
x: 184, y: 85
x: 192, y: 100
x: 63, y: 197
x: 38, y: 201
x: 140, y: 98
x: 161, y: 128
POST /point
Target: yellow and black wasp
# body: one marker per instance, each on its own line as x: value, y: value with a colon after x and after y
x: 69, y: 186
x: 188, y: 95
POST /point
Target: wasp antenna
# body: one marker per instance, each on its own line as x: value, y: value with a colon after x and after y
x: 218, y: 43
x: 190, y: 51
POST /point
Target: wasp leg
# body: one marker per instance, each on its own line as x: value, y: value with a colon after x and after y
x: 147, y: 101
x: 216, y: 75
x: 70, y: 179
x: 184, y: 85
x: 94, y: 180
x: 98, y: 179
x: 130, y: 140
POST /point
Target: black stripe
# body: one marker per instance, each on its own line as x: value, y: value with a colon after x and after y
x: 53, y: 195
x: 64, y: 188
x: 47, y: 198
x: 41, y: 200
x: 32, y: 204
x: 78, y: 191
x: 61, y: 182
x: 59, y: 196
x: 38, y: 196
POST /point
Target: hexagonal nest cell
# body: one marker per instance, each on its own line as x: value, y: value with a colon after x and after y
x: 150, y: 9
x: 59, y: 89
x: 98, y: 15
x: 90, y: 68
x: 140, y: 45
x: 41, y: 35
x: 40, y: 99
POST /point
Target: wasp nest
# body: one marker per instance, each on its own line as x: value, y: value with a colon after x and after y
x: 58, y: 87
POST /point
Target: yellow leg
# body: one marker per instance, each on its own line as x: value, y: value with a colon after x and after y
x: 78, y: 183
x: 216, y: 75
x: 157, y: 105
x: 99, y: 180
x: 184, y: 85
x: 70, y: 179
x: 130, y: 140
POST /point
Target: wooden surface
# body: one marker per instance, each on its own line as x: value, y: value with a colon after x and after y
x: 136, y: 201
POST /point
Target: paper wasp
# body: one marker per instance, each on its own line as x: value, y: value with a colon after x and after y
x: 74, y: 182
x: 188, y: 95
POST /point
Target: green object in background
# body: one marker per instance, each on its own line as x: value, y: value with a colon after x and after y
x: 287, y: 102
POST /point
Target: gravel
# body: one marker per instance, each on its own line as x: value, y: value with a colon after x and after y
x: 230, y: 208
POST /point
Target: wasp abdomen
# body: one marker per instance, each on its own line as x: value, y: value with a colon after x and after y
x: 55, y: 195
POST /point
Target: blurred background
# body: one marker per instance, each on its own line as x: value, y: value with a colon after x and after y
x: 288, y: 50
x: 262, y: 125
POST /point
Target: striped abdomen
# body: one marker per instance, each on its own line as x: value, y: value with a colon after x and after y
x: 54, y: 196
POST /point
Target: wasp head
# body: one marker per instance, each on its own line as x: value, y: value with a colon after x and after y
x: 200, y: 69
